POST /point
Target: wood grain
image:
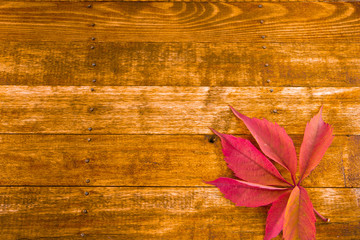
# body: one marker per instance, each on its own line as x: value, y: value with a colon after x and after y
x: 171, y: 110
x: 352, y: 162
x: 156, y: 213
x: 140, y: 160
x: 180, y: 22
x: 180, y: 64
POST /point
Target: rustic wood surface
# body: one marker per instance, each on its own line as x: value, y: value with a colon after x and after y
x: 171, y: 110
x: 180, y: 22
x: 157, y: 213
x: 113, y: 118
x: 180, y: 64
x: 145, y: 160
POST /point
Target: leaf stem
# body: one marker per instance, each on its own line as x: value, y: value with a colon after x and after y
x: 284, y: 180
x: 321, y: 216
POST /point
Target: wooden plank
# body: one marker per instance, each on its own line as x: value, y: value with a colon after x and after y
x: 180, y: 64
x: 180, y: 22
x: 156, y: 213
x: 214, y: 1
x: 352, y: 162
x: 137, y: 160
x: 171, y: 110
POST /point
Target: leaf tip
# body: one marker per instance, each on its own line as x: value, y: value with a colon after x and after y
x: 209, y: 182
x: 215, y: 132
x: 232, y: 109
x: 237, y: 114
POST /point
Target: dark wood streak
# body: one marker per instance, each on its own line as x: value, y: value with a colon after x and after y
x: 180, y: 64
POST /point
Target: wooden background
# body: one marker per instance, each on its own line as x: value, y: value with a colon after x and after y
x: 105, y: 109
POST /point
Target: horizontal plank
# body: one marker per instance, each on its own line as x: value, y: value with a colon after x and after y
x: 180, y: 64
x: 156, y: 213
x: 139, y: 160
x: 171, y: 110
x: 214, y: 1
x: 179, y: 21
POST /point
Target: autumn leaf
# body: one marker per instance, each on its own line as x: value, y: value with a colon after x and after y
x: 260, y: 183
x: 317, y: 138
x: 247, y: 194
x: 273, y: 141
x: 275, y: 219
x: 299, y: 219
x: 248, y: 163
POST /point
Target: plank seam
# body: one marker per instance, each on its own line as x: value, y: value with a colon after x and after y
x: 125, y: 186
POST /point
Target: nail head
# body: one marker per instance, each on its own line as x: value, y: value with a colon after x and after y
x: 261, y: 21
x: 94, y: 80
x: 89, y: 6
x: 266, y: 65
x: 82, y: 234
x: 268, y: 80
x: 264, y: 47
x: 93, y: 38
x: 92, y: 89
x: 86, y: 193
x: 93, y: 64
x: 271, y: 90
x: 263, y: 36
x: 260, y: 6
x: 85, y: 211
x: 93, y: 25
x: 91, y: 109
x: 92, y: 47
x: 87, y: 180
x: 89, y: 139
x: 274, y: 111
x: 90, y: 129
x: 87, y: 160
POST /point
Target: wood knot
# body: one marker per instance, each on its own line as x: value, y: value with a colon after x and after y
x: 212, y: 139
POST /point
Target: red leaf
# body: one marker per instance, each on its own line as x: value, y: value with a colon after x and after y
x: 291, y: 211
x: 299, y: 220
x: 317, y: 138
x: 247, y: 194
x: 248, y: 163
x: 275, y: 218
x: 273, y: 141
